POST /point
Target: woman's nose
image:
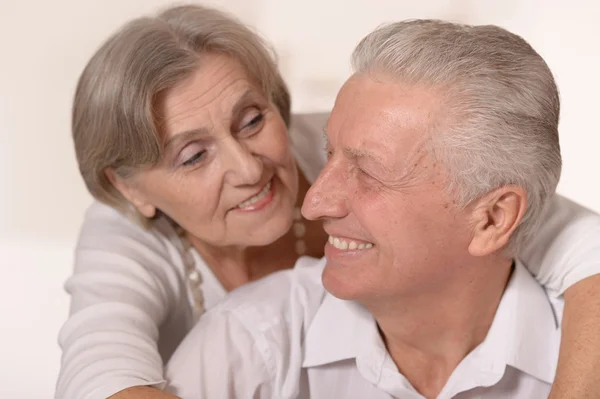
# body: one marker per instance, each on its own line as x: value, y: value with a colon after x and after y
x: 242, y: 167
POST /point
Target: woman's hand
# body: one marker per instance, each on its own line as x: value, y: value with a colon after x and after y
x: 142, y: 393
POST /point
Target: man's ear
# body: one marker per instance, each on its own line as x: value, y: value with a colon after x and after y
x: 131, y: 193
x: 495, y: 217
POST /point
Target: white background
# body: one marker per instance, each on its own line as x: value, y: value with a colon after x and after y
x: 44, y: 45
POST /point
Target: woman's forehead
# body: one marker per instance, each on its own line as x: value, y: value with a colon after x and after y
x: 219, y: 88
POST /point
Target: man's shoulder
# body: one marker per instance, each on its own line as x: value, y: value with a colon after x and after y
x: 284, y: 297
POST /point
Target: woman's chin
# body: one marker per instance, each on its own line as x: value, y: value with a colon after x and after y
x: 271, y: 231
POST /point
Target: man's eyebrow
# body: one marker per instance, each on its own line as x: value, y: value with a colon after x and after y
x: 356, y: 154
x: 325, y: 138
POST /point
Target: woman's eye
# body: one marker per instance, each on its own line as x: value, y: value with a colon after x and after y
x: 251, y: 121
x: 194, y: 159
x: 256, y: 120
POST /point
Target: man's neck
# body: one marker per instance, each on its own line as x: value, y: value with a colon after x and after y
x: 430, y: 333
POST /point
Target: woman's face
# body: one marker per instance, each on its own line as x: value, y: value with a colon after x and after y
x: 228, y: 176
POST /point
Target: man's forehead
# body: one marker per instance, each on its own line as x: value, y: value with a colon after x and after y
x: 370, y: 103
x: 384, y: 122
x: 381, y: 127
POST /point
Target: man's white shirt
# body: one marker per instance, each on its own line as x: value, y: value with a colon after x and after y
x: 286, y: 337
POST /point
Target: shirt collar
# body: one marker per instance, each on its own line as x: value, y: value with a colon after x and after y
x: 341, y: 330
x: 524, y: 334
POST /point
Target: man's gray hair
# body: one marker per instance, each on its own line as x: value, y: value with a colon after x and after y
x: 501, y: 109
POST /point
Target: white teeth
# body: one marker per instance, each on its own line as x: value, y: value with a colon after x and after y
x: 257, y: 197
x: 344, y: 245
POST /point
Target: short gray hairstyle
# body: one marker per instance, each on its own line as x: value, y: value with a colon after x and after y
x: 501, y: 110
x: 114, y: 119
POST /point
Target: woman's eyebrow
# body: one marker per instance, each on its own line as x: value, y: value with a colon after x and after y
x: 249, y: 95
x: 185, y: 135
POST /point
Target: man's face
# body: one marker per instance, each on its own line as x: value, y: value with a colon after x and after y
x: 394, y: 231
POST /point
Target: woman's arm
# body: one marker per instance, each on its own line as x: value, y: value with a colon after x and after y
x: 120, y: 295
x: 578, y: 373
x: 143, y: 393
x: 565, y: 257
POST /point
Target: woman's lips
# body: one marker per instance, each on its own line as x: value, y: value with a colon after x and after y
x: 258, y: 201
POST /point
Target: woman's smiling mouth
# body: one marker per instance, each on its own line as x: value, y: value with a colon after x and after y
x: 258, y: 201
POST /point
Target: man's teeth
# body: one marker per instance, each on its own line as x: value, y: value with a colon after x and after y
x: 346, y: 245
x: 263, y: 193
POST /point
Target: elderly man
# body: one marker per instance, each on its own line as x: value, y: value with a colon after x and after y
x: 443, y: 152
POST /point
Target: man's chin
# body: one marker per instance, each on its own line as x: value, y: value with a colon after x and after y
x: 339, y: 285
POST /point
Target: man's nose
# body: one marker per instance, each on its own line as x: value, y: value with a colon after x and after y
x: 242, y: 167
x: 327, y: 197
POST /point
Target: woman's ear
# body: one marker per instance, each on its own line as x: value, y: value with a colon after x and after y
x: 495, y: 218
x: 131, y: 192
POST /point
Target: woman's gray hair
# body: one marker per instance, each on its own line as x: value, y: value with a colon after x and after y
x: 501, y: 109
x: 114, y: 120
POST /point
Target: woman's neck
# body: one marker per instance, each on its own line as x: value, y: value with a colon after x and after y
x: 236, y: 266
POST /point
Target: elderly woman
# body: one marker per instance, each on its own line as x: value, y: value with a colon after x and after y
x: 180, y: 124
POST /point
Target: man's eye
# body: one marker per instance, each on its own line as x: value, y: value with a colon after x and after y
x: 364, y: 174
